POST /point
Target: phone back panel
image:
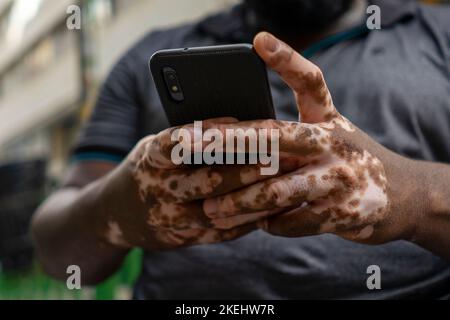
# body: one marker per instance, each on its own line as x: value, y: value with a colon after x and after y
x: 215, y: 82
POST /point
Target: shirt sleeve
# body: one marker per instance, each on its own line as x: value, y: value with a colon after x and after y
x: 112, y: 129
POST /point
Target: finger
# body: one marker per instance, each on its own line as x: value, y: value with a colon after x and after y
x: 175, y: 216
x: 156, y: 150
x: 274, y: 137
x: 299, y: 222
x: 185, y: 185
x: 180, y: 238
x: 302, y: 185
x: 242, y: 219
x: 221, y: 120
x: 306, y: 79
x: 317, y: 218
x: 193, y: 184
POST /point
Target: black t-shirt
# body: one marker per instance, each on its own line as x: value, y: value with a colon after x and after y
x: 393, y: 83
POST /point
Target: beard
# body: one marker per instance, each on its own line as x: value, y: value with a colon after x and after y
x: 293, y: 16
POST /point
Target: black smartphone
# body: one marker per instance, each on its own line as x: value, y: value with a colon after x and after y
x: 211, y: 82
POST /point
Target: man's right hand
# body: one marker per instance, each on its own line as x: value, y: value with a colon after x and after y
x: 148, y: 202
x: 151, y: 203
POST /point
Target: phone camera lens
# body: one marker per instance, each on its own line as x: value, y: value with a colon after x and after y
x: 173, y: 84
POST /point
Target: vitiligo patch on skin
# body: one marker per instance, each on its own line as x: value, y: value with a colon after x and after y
x: 349, y: 183
x: 362, y: 205
x: 249, y: 175
x: 333, y: 181
x: 176, y: 186
x: 344, y: 185
x: 114, y: 234
x: 171, y: 196
x: 340, y: 121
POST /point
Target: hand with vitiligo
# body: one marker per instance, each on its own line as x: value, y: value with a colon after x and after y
x: 343, y: 182
x: 156, y: 204
x: 333, y: 178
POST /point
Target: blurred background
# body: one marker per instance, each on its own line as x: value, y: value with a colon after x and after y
x: 49, y: 77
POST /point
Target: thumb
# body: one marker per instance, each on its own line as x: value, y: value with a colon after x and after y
x: 314, y: 101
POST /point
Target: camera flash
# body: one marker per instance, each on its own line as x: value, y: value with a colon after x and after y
x: 174, y: 88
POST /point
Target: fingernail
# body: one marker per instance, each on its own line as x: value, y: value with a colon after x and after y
x: 271, y: 43
x: 210, y: 207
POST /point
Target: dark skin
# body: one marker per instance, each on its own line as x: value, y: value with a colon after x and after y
x: 61, y: 233
x: 333, y: 178
x: 79, y: 224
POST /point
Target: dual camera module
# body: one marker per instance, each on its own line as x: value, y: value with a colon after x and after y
x: 173, y: 84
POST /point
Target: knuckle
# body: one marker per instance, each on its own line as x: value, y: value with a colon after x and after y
x: 282, y: 57
x: 211, y: 180
x: 155, y: 216
x: 272, y: 123
x: 140, y: 150
x: 317, y: 71
x: 227, y: 204
x: 168, y: 216
x: 145, y: 142
x: 278, y: 193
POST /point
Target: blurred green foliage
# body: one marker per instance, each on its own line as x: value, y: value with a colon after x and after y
x: 35, y: 285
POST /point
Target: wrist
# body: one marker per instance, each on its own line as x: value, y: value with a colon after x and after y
x: 416, y: 204
x: 435, y: 207
x: 94, y: 214
x: 407, y: 198
x: 121, y: 215
x: 108, y: 197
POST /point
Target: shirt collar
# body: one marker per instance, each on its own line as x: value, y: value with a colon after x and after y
x: 232, y: 26
x: 394, y: 11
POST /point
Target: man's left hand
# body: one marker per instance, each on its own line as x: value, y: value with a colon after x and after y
x: 343, y: 182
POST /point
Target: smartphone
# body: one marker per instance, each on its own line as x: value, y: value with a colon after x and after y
x: 211, y: 82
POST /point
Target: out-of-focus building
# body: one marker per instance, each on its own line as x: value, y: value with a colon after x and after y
x: 49, y: 75
x: 49, y: 78
x: 39, y: 76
